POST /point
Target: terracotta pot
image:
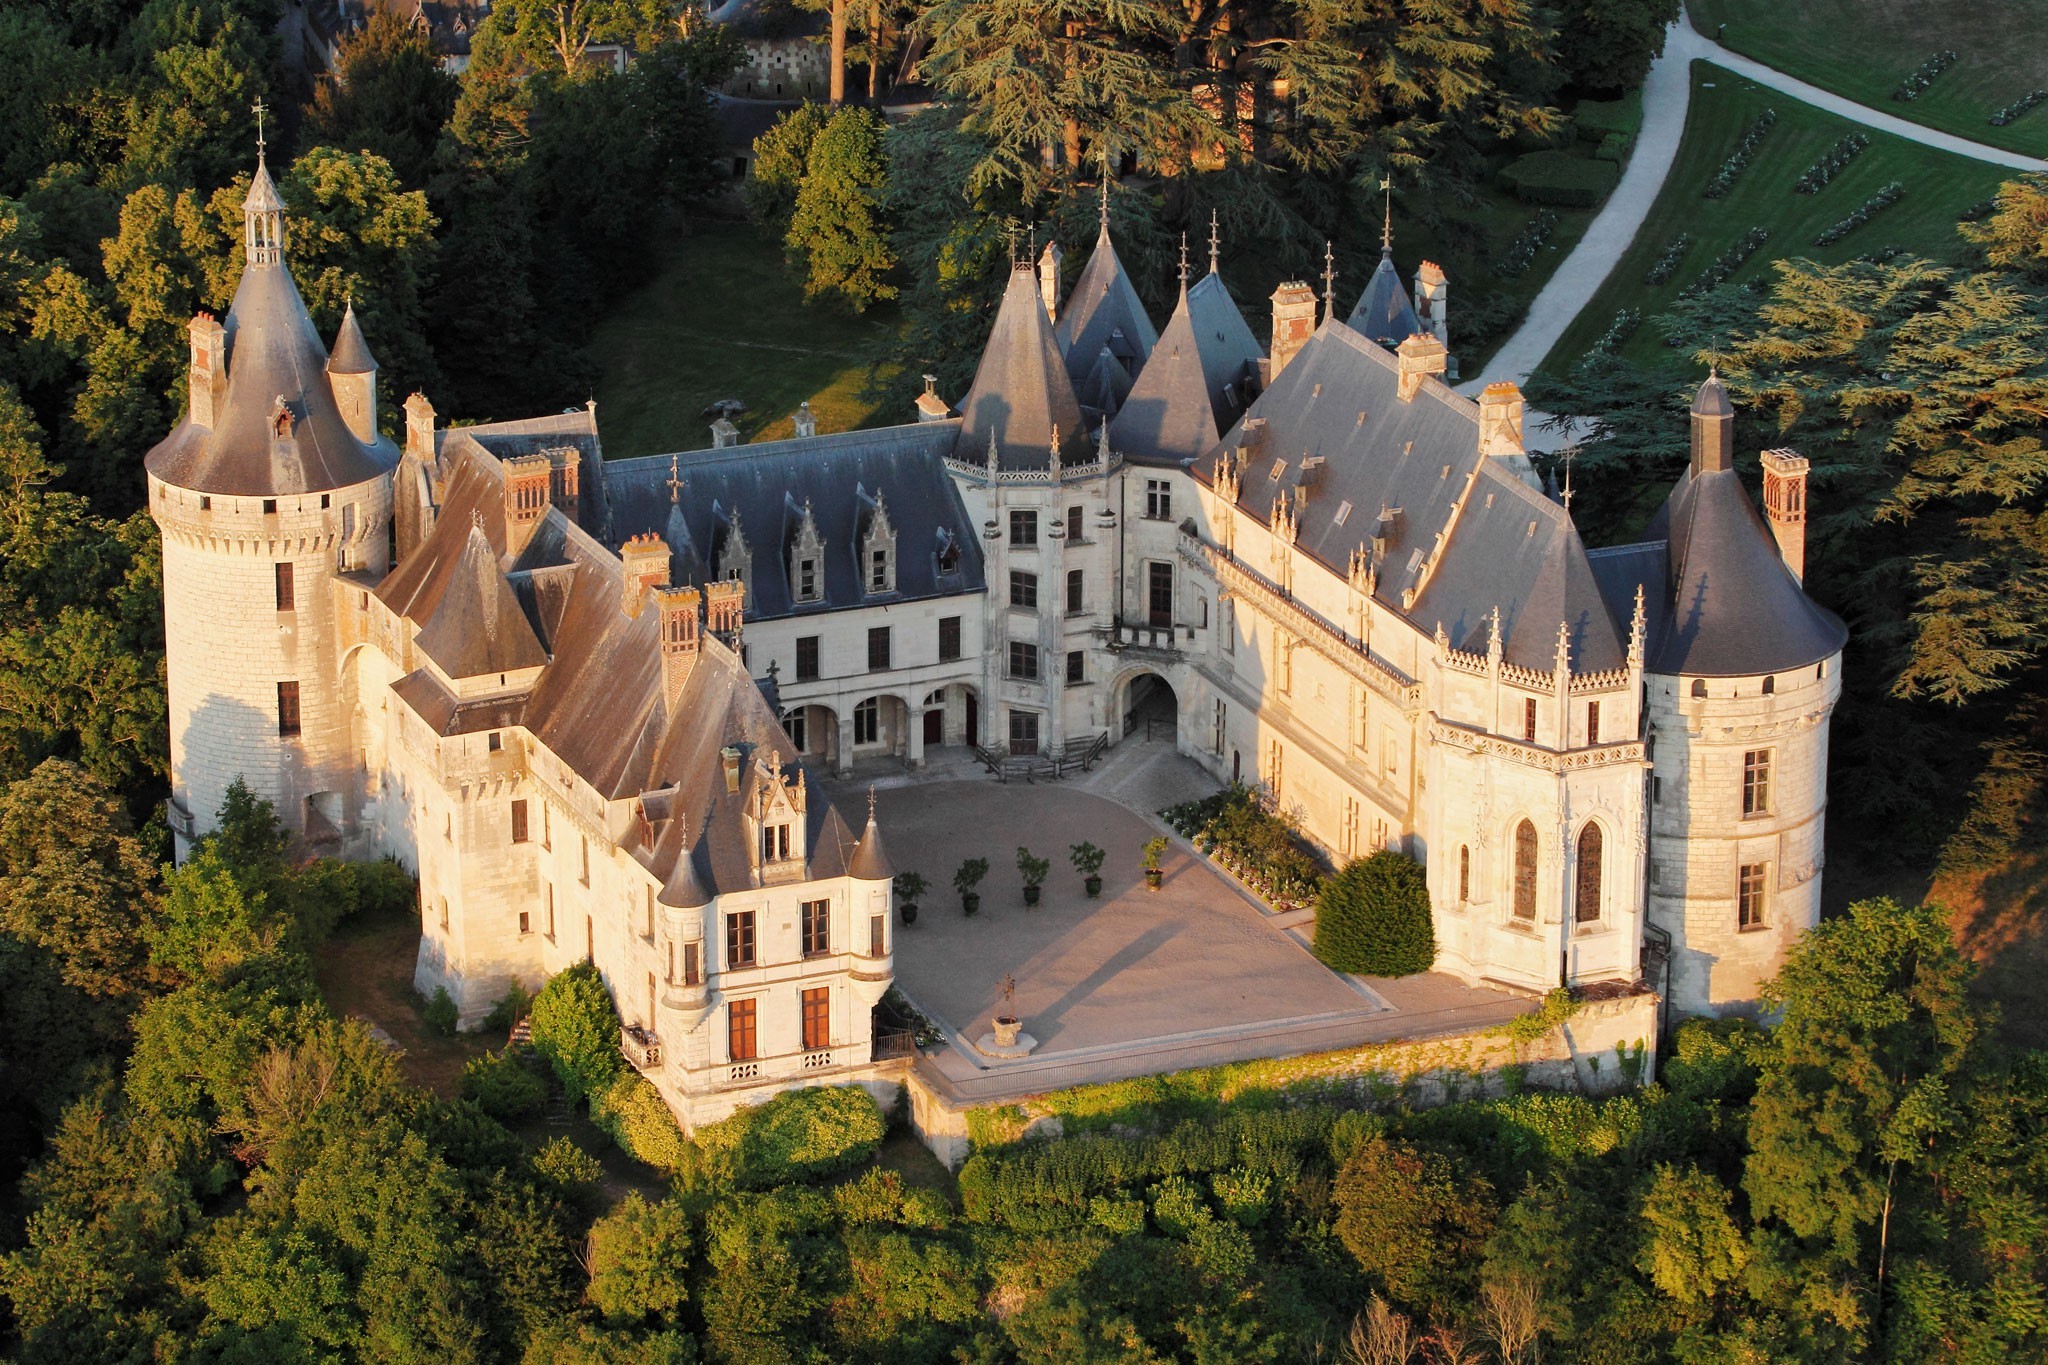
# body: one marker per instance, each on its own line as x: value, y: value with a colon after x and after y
x: 1007, y: 1029
x: 1094, y: 887
x: 1155, y: 877
x: 970, y: 902
x: 1031, y: 894
x: 909, y: 913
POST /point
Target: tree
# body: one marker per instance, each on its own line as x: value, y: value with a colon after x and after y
x: 781, y: 156
x: 836, y: 228
x: 638, y: 1256
x: 1414, y: 1221
x: 388, y: 96
x: 1693, y: 1249
x: 576, y: 1027
x: 558, y: 34
x: 1608, y: 45
x: 1373, y: 917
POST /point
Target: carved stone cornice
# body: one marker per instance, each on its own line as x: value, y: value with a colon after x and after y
x: 1628, y: 752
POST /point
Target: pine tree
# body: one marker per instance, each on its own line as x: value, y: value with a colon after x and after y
x: 836, y: 229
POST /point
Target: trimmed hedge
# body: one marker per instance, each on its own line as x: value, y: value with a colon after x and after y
x: 1553, y: 177
x: 631, y: 1113
x: 1599, y: 119
x: 502, y: 1087
x: 1373, y: 918
x: 799, y: 1135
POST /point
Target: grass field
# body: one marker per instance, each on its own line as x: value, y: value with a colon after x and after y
x: 723, y: 318
x: 1939, y: 188
x: 1862, y: 49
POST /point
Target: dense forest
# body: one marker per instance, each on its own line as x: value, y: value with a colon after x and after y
x: 200, y: 1161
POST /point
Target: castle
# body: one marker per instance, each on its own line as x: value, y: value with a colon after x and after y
x: 584, y: 699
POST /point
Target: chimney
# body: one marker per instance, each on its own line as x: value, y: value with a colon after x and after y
x: 207, y: 389
x: 1049, y: 262
x: 724, y: 603
x: 1433, y: 300
x: 931, y: 407
x: 1500, y: 420
x: 644, y: 562
x: 729, y: 761
x: 565, y: 477
x: 679, y: 640
x: 419, y: 429
x: 1785, y: 506
x: 724, y: 433
x: 527, y: 478
x: 1419, y: 357
x: 806, y: 421
x: 1294, y: 322
x: 1713, y: 428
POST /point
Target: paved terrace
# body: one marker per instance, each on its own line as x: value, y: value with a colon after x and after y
x: 1136, y: 982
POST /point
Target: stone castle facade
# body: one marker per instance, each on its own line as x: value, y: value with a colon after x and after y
x: 585, y: 699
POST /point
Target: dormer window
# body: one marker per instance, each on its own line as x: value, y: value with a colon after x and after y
x: 735, y: 557
x: 949, y: 553
x: 807, y: 560
x: 775, y: 843
x: 878, y: 552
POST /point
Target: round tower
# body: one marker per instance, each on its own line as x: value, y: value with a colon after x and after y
x: 273, y: 497
x: 1744, y: 676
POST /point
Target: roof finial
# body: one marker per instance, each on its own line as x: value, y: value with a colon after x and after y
x: 1387, y: 227
x: 675, y: 481
x: 1571, y: 453
x: 1183, y: 260
x: 871, y: 803
x: 1102, y: 443
x: 1214, y: 242
x: 1103, y: 212
x: 1329, y: 280
x: 259, y: 109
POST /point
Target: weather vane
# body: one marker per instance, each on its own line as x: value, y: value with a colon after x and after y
x: 675, y: 481
x: 259, y: 110
x: 1214, y: 242
x: 1387, y: 228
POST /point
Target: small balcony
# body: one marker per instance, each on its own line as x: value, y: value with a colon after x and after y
x: 1160, y: 641
x: 641, y: 1046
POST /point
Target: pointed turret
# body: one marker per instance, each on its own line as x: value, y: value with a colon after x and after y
x: 352, y: 373
x: 1196, y: 386
x: 1103, y: 305
x: 1384, y: 312
x: 1713, y: 427
x: 1021, y: 391
x: 869, y: 862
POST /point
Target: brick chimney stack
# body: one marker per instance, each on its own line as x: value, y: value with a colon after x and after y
x: 644, y: 561
x: 680, y: 640
x: 1785, y: 506
x: 527, y: 496
x: 1294, y: 322
x: 1419, y: 356
x: 724, y: 599
x: 1500, y: 420
x: 208, y: 386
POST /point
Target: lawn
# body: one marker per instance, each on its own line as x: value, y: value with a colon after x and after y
x: 1862, y: 49
x: 723, y: 318
x: 1939, y: 188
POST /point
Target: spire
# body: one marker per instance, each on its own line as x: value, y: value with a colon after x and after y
x: 262, y: 211
x: 869, y: 863
x: 351, y: 353
x: 1387, y: 225
x: 1215, y: 243
x: 1102, y: 213
x: 1183, y: 262
x: 1329, y: 279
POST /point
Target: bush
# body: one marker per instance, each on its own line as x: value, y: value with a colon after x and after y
x: 440, y: 1013
x: 1614, y: 147
x: 566, y: 1169
x: 502, y: 1087
x: 1554, y: 177
x: 632, y: 1113
x: 639, y: 1255
x: 510, y: 1009
x: 800, y: 1135
x: 1373, y: 918
x: 576, y: 1028
x: 1598, y: 120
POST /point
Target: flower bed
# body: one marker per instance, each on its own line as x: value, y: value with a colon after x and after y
x: 1875, y: 204
x: 1728, y: 262
x: 1621, y: 329
x: 1924, y: 75
x: 1258, y: 846
x: 1738, y: 160
x: 2018, y: 107
x: 1831, y: 163
x: 1521, y: 253
x: 1669, y: 260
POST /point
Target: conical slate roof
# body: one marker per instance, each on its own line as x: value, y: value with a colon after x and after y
x: 1384, y: 312
x: 1193, y: 390
x: 1021, y: 391
x: 351, y: 352
x: 1107, y: 385
x: 1737, y: 611
x: 869, y: 862
x: 1103, y: 311
x: 477, y: 627
x: 262, y: 196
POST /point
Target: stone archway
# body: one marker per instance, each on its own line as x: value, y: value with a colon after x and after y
x: 1147, y: 707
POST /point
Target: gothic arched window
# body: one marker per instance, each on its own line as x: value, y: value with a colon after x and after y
x: 1586, y: 891
x: 1525, y: 871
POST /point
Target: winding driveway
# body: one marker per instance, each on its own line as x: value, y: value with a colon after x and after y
x: 1666, y: 93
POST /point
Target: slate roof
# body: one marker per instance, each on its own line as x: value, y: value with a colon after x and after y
x: 1021, y: 391
x: 1511, y: 547
x: 870, y: 861
x: 1736, y: 610
x: 274, y: 352
x: 767, y: 485
x: 1195, y: 387
x: 1107, y: 385
x: 597, y: 703
x: 351, y: 353
x: 1384, y: 312
x: 478, y: 627
x: 531, y: 436
x: 1104, y: 310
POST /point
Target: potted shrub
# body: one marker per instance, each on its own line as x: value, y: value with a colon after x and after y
x: 966, y: 879
x: 1087, y: 860
x: 1155, y: 849
x: 1008, y: 1025
x: 1033, y: 871
x: 909, y: 886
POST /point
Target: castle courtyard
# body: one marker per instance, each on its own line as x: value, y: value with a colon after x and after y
x: 1131, y: 983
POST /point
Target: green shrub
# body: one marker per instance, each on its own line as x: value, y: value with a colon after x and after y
x: 639, y: 1255
x: 1598, y: 120
x: 1118, y: 1217
x: 1178, y: 1207
x: 567, y: 1169
x: 1555, y: 177
x: 502, y: 1087
x: 1245, y: 1195
x: 1373, y: 918
x: 576, y: 1028
x: 800, y: 1135
x: 440, y: 1013
x: 510, y: 1009
x: 1614, y: 147
x: 1714, y: 1060
x: 632, y: 1113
